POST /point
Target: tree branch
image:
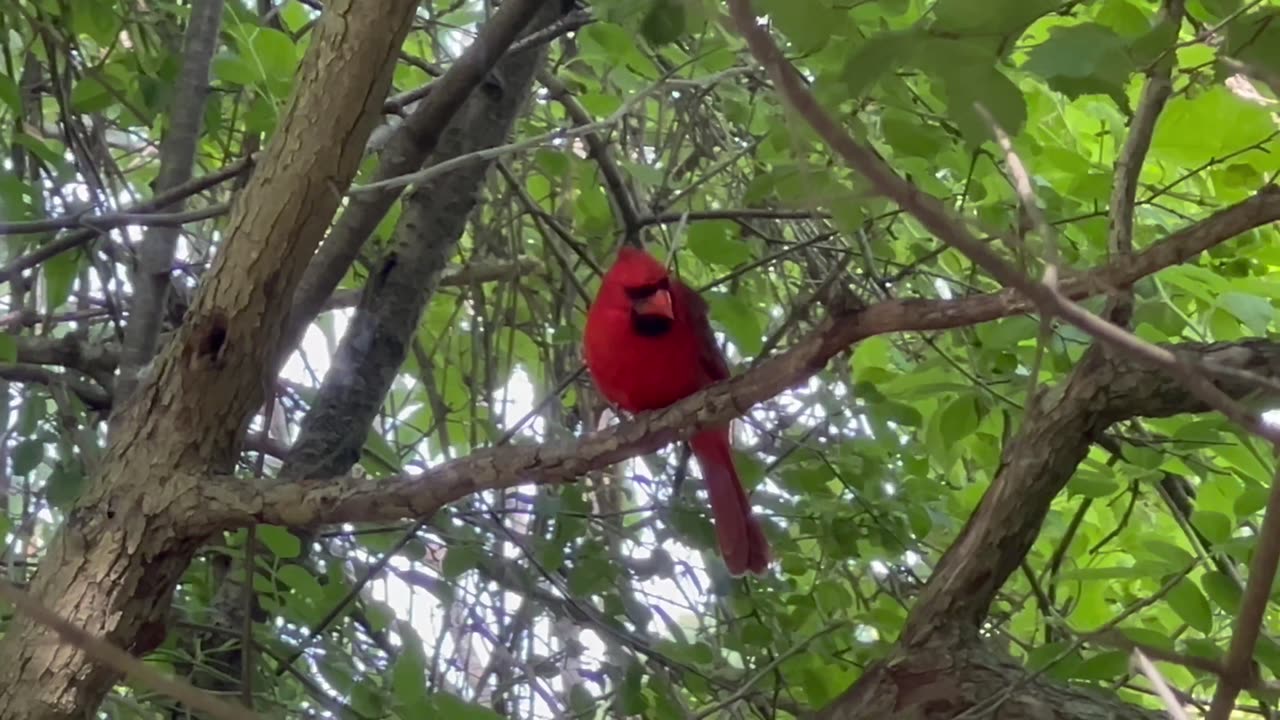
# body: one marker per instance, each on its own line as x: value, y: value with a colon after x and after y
x: 92, y: 394
x: 177, y: 158
x: 93, y: 225
x: 405, y: 152
x: 122, y: 662
x: 1132, y: 157
x: 1126, y: 389
x: 935, y: 217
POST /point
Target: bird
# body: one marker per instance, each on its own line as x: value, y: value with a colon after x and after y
x: 647, y: 344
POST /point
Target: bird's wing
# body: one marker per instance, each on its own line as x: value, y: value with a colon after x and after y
x: 710, y: 359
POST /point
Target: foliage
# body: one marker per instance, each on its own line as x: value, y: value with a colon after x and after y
x: 607, y: 596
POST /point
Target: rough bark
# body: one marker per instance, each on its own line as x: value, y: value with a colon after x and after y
x: 113, y: 564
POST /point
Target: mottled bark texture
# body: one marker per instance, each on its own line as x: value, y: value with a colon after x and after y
x: 113, y: 564
x: 940, y: 667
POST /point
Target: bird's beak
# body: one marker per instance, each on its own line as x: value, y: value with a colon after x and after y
x: 659, y: 303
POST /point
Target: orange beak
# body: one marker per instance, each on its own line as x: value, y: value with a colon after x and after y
x: 659, y: 303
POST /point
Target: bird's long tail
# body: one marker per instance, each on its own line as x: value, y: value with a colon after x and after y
x: 742, y: 541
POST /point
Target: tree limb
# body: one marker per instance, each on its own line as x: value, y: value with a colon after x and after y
x: 177, y: 158
x: 410, y: 145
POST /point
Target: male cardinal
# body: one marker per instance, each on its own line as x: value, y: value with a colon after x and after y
x: 648, y: 343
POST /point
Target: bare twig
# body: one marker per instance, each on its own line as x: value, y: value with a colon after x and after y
x: 1149, y: 669
x: 92, y: 225
x: 764, y: 671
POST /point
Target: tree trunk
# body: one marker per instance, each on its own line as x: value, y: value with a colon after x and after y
x: 114, y: 563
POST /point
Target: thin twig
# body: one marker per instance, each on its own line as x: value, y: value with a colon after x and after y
x: 122, y: 662
x: 773, y: 664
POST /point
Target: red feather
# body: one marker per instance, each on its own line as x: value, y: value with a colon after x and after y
x: 648, y: 362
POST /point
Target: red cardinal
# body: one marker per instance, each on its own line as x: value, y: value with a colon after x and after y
x: 648, y: 344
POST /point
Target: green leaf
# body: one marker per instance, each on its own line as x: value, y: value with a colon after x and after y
x: 378, y: 457
x: 1180, y: 135
x: 59, y: 276
x: 10, y: 95
x: 97, y: 19
x: 1252, y: 311
x: 1081, y: 59
x: 1191, y: 605
x: 612, y: 39
x: 1092, y: 484
x: 1217, y: 528
x: 26, y: 456
x: 664, y: 22
x: 871, y: 358
x: 1254, y: 39
x: 41, y: 149
x: 65, y: 482
x: 90, y: 96
x: 8, y: 348
x: 409, y: 683
x: 367, y: 699
x: 1115, y: 572
x: 454, y: 708
x: 1103, y: 666
x: 1222, y: 590
x: 807, y: 24
x: 460, y: 557
x: 716, y: 242
x: 275, y: 52
x: 1173, y: 557
x: 874, y: 58
x: 630, y: 699
x: 969, y: 77
x: 282, y: 543
x: 301, y: 582
x: 987, y: 17
x: 233, y: 69
x: 958, y: 420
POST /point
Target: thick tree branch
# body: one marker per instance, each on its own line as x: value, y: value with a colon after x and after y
x: 93, y: 395
x: 1125, y: 389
